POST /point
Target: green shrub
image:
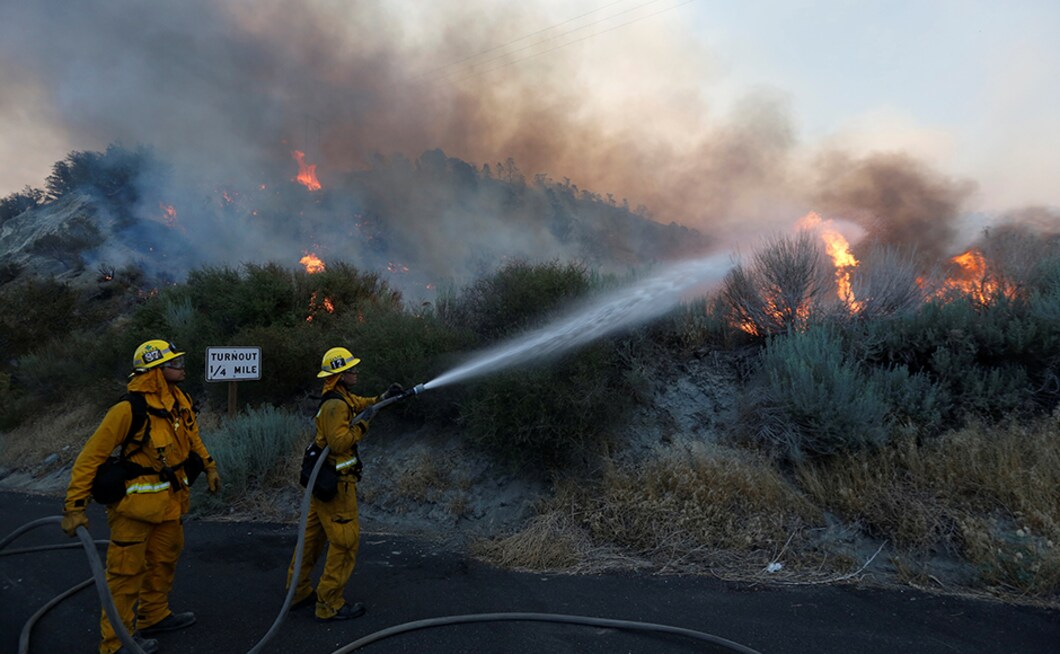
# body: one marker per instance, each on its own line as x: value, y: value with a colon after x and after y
x: 10, y: 401
x: 990, y: 360
x: 55, y: 338
x: 271, y: 294
x: 811, y: 399
x: 346, y: 288
x: 252, y: 452
x: 33, y: 312
x: 1043, y: 302
x: 695, y: 325
x: 90, y: 362
x: 913, y: 399
x: 544, y: 415
x: 222, y: 294
x: 82, y: 366
x: 518, y: 296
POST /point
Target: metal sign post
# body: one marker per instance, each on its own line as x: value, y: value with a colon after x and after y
x: 233, y: 364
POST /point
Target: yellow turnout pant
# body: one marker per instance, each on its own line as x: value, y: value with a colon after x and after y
x: 141, y: 562
x: 334, y: 523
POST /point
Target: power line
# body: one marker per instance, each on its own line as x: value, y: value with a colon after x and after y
x: 461, y: 63
x: 523, y: 38
x: 562, y: 45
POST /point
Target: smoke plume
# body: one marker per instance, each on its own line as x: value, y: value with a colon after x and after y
x: 896, y: 199
x: 228, y: 87
x: 615, y: 102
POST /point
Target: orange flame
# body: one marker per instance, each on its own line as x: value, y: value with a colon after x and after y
x: 307, y: 173
x: 314, y: 307
x: 749, y: 327
x: 838, y: 249
x: 972, y: 276
x: 169, y: 214
x: 312, y: 263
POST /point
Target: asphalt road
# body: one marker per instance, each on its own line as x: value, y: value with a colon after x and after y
x: 231, y: 575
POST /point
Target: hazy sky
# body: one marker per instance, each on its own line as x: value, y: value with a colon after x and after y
x: 697, y: 108
x: 971, y: 85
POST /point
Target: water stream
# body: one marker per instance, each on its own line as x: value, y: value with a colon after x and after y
x: 646, y: 299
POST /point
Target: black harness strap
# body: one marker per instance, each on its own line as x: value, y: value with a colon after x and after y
x: 140, y: 409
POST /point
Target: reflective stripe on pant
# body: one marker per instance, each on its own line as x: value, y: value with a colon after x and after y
x: 339, y: 521
x: 315, y: 540
x: 141, y: 559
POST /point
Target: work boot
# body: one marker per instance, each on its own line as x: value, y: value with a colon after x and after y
x: 347, y: 612
x: 148, y: 645
x: 171, y: 622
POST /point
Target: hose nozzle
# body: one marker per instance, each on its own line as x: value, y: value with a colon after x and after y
x: 415, y: 390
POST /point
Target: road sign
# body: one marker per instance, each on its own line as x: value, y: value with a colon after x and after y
x: 235, y: 363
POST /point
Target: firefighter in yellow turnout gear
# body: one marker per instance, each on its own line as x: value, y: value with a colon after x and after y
x: 146, y: 534
x: 335, y: 522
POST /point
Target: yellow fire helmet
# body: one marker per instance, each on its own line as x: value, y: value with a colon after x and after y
x: 336, y: 360
x: 154, y: 353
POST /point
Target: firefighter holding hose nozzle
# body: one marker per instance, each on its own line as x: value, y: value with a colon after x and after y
x: 332, y: 518
x: 145, y: 489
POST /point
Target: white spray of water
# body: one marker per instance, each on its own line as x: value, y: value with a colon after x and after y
x: 639, y: 303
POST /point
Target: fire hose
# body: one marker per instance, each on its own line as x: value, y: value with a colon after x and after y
x: 99, y: 578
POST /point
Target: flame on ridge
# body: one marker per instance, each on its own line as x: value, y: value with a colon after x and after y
x: 169, y: 214
x: 313, y: 263
x: 307, y: 173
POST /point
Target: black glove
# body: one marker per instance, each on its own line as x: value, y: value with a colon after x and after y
x: 393, y: 390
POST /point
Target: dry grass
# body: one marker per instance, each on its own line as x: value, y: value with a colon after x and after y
x: 59, y: 432
x: 973, y: 512
x: 428, y: 477
x: 430, y: 474
x: 690, y: 508
x: 550, y: 541
x: 700, y: 498
x: 425, y: 476
x: 991, y: 497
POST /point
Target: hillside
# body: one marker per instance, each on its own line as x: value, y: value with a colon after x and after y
x: 422, y: 224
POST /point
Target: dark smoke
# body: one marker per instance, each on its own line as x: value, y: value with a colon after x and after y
x: 228, y: 88
x: 899, y: 201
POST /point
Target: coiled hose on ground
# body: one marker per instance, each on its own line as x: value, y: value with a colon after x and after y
x: 107, y: 601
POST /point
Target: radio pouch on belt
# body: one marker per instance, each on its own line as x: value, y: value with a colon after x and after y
x: 327, y: 483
